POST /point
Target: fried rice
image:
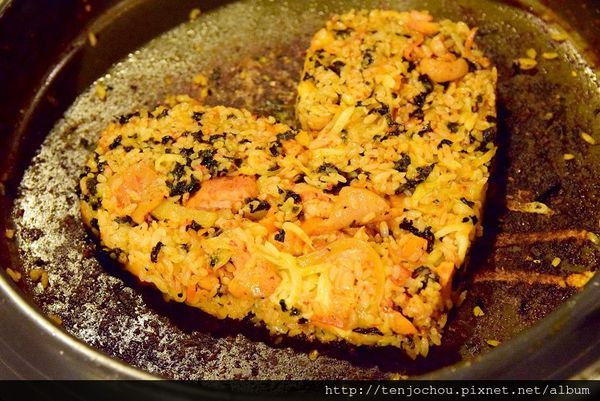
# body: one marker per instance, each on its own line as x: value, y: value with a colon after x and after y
x: 348, y: 229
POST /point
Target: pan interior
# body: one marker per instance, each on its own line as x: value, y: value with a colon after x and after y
x: 252, y: 53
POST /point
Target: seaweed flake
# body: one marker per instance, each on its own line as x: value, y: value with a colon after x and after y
x: 467, y: 202
x: 427, y: 234
x: 217, y: 137
x: 155, y: 251
x: 194, y: 226
x: 444, y: 142
x: 367, y: 59
x: 280, y: 236
x: 91, y: 185
x: 288, y: 135
x: 257, y: 205
x: 368, y: 330
x: 402, y: 164
x: 328, y: 168
x: 342, y: 33
x: 336, y: 67
x: 124, y: 119
x: 125, y: 220
x: 427, y: 128
x: 275, y: 148
x: 167, y: 139
x: 116, y: 142
x: 94, y: 223
x: 290, y: 194
x: 427, y: 84
x: 453, y: 127
x: 426, y: 274
x: 178, y: 170
x: 163, y: 114
x: 197, y: 116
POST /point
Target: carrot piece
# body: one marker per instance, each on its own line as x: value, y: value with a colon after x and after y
x: 140, y: 185
x: 223, y: 192
x: 445, y: 271
x: 469, y: 42
x: 413, y: 248
x: 401, y: 325
x: 313, y: 225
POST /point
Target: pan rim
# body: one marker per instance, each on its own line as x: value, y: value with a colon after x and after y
x: 577, y: 303
x: 490, y: 364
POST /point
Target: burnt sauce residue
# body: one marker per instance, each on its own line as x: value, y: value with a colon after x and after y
x: 511, y: 278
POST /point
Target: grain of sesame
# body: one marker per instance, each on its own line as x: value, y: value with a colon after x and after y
x: 14, y: 275
x: 578, y: 280
x: 556, y: 261
x: 384, y: 229
x: 593, y: 238
x: 92, y: 39
x: 44, y: 280
x: 55, y: 318
x: 526, y: 63
x: 101, y: 91
x: 194, y: 14
x: 568, y: 156
x: 9, y: 233
x: 35, y: 274
x: 559, y: 36
x: 313, y: 355
x: 477, y: 311
x: 493, y: 343
x: 200, y: 79
x: 549, y: 55
x: 531, y: 53
x: 588, y: 138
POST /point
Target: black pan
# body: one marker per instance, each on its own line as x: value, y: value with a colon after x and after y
x: 110, y: 326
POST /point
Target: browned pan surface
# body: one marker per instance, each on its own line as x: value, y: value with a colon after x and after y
x: 252, y: 53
